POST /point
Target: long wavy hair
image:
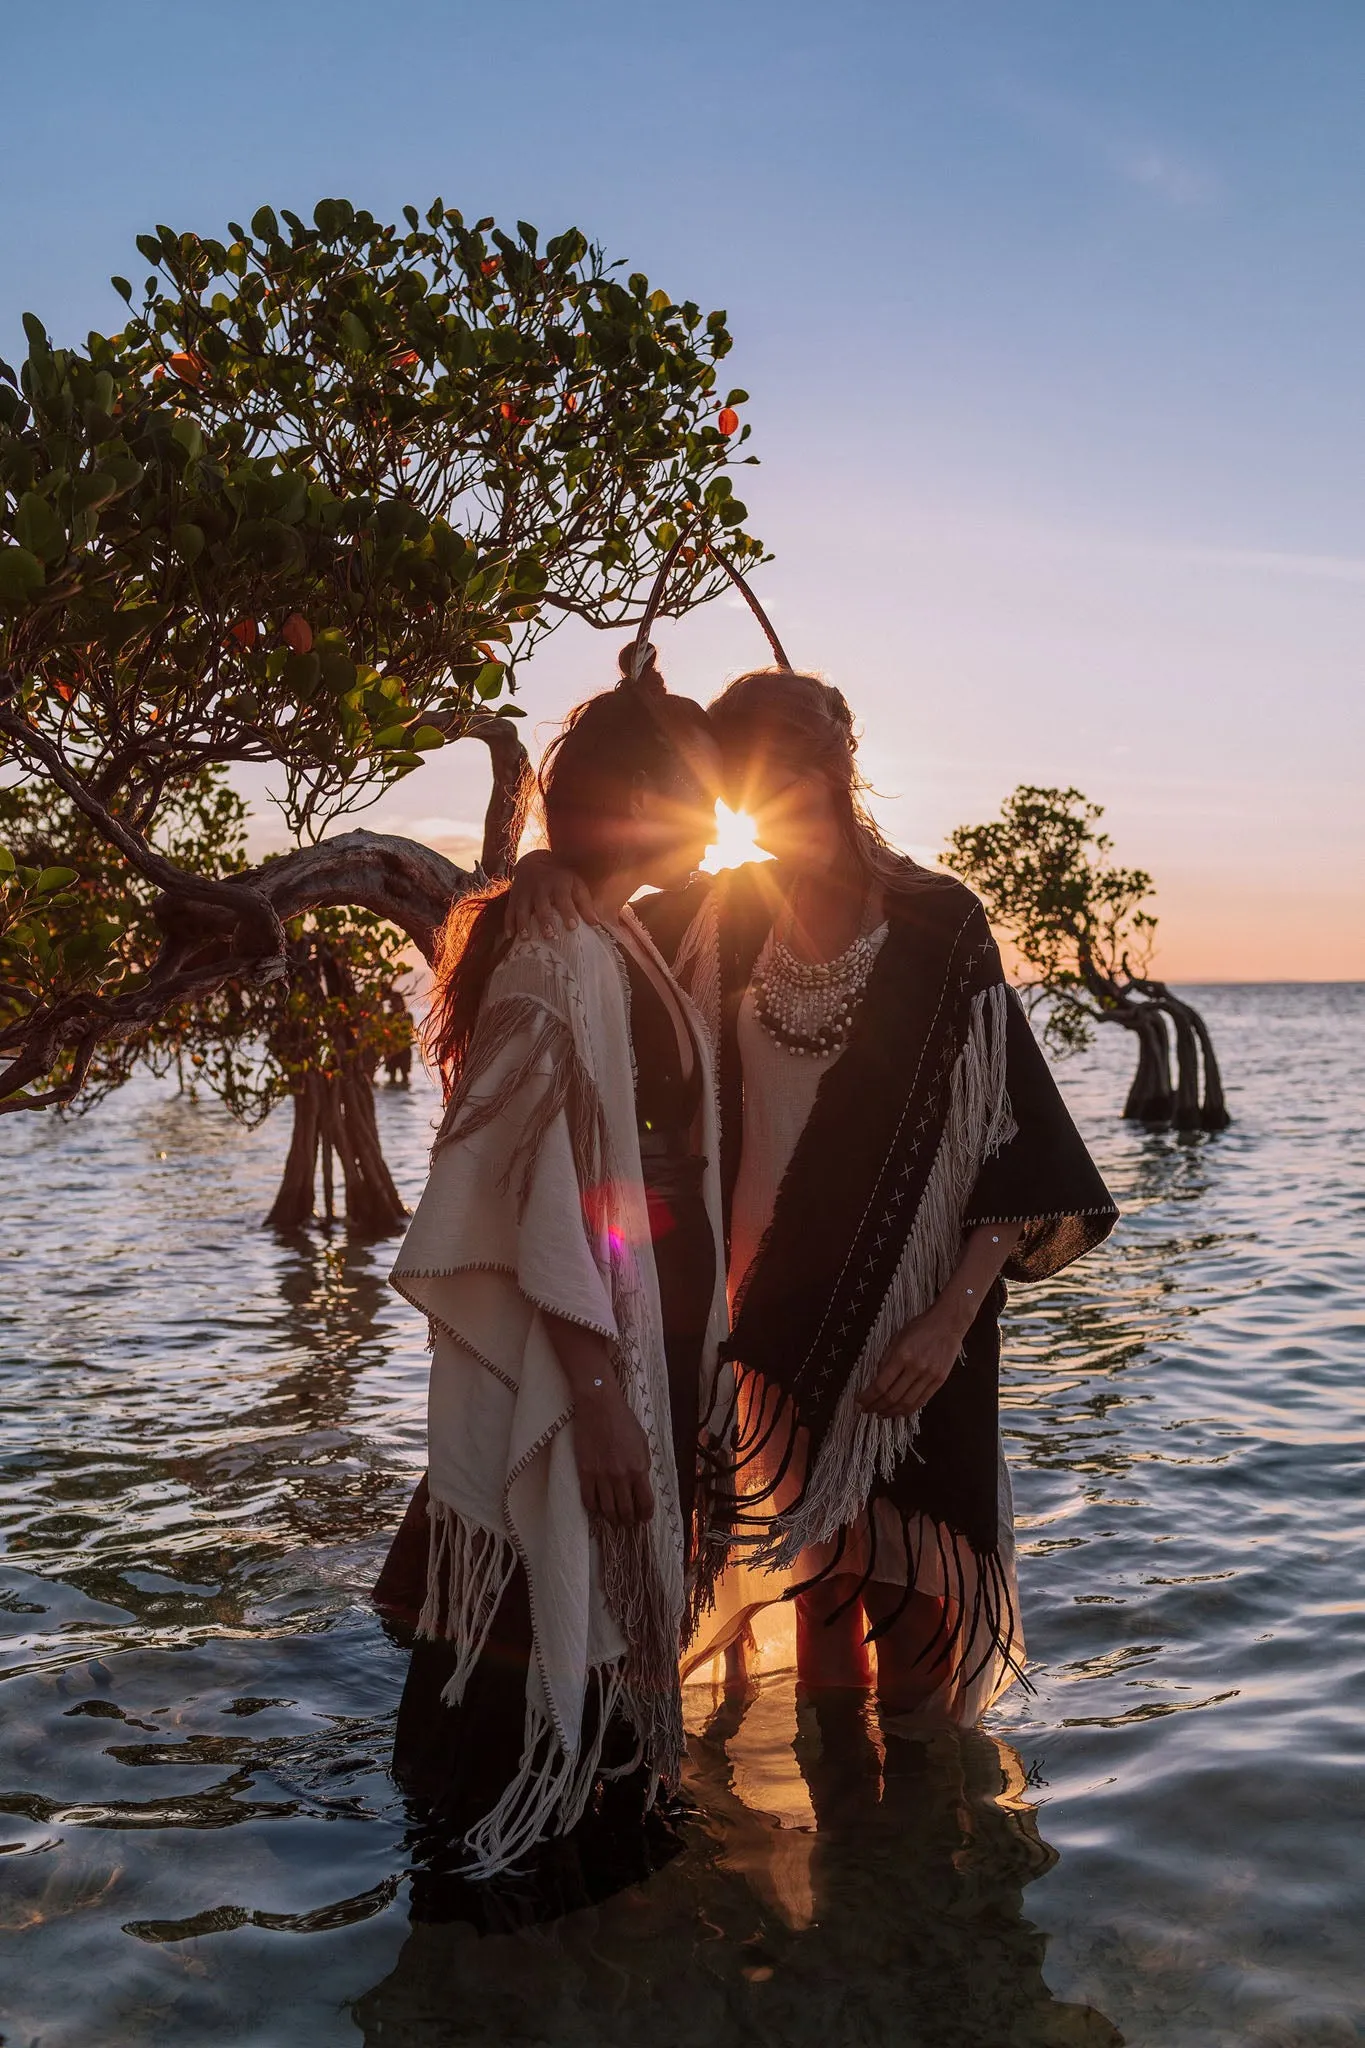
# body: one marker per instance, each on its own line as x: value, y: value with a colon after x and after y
x: 607, y: 748
x: 803, y: 723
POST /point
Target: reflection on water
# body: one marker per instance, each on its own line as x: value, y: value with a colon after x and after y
x: 207, y: 1433
x: 836, y: 1887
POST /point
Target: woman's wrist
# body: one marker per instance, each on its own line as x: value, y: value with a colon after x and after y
x: 966, y: 1293
x: 584, y: 1357
x: 597, y: 1390
x: 953, y: 1314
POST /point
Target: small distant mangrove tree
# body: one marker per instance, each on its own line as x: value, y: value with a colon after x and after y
x: 309, y: 509
x: 1083, y: 936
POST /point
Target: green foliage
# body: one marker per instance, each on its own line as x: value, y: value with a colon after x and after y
x: 1076, y: 921
x: 330, y: 482
x: 38, y: 931
x: 342, y: 1003
x: 75, y: 919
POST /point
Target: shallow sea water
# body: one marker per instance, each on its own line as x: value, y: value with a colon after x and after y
x: 207, y: 1434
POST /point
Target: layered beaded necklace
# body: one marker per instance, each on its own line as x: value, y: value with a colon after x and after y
x: 808, y: 1006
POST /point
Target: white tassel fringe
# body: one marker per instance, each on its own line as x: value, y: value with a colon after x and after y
x: 469, y: 1568
x: 859, y: 1447
x: 551, y: 1789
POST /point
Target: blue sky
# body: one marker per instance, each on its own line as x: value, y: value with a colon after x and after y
x: 1051, y: 315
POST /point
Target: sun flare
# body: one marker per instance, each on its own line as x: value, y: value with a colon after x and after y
x: 734, y: 843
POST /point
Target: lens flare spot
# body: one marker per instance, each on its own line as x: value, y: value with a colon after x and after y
x: 734, y: 842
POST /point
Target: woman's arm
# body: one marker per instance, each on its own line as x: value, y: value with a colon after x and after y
x: 610, y: 1447
x: 544, y: 890
x: 920, y: 1359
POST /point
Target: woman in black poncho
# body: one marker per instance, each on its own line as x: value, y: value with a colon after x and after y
x: 894, y: 1149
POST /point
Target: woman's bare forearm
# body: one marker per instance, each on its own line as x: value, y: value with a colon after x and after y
x: 920, y: 1358
x: 583, y: 1355
x: 610, y: 1448
x: 982, y: 1260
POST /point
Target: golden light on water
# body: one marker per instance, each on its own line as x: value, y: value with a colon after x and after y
x: 734, y: 843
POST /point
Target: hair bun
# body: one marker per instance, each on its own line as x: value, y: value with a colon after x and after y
x: 646, y: 677
x: 837, y: 704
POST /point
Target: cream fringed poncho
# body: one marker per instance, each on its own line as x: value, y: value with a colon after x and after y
x: 536, y: 1205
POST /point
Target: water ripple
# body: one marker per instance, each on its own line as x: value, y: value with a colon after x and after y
x: 208, y: 1432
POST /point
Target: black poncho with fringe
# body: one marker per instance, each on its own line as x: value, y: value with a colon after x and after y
x: 941, y: 1114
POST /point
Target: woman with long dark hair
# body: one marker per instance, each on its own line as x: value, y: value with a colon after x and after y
x: 566, y: 1253
x: 893, y: 1150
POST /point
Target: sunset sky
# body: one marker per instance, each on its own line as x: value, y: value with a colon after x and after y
x: 1051, y: 315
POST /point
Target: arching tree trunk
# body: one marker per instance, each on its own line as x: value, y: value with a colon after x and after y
x: 1151, y: 1098
x: 398, y: 1063
x: 334, y: 1120
x: 507, y: 801
x: 334, y: 1114
x: 293, y: 1205
x: 1187, y: 1067
x: 328, y: 1158
x: 373, y: 1203
x: 1194, y: 1043
x: 1214, y: 1115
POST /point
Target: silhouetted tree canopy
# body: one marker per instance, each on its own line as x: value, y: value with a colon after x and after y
x: 309, y: 509
x: 1081, y: 932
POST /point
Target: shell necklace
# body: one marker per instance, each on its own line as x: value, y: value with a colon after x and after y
x: 808, y: 1006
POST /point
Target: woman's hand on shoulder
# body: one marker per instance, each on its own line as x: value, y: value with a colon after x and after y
x: 544, y: 896
x: 916, y: 1364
